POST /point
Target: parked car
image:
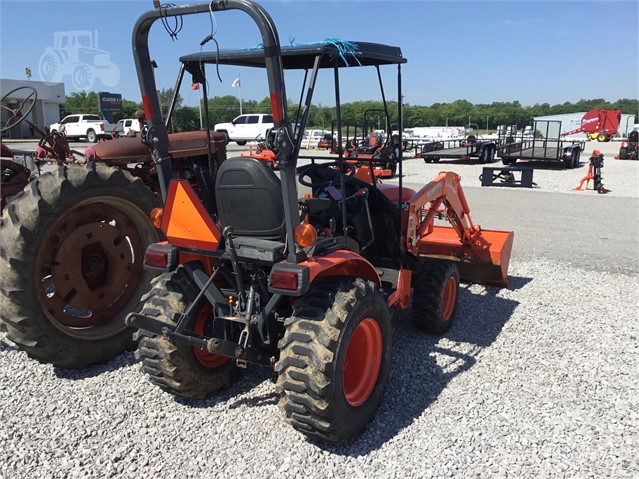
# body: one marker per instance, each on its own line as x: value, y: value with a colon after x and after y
x: 128, y: 127
x: 91, y: 127
x: 247, y: 128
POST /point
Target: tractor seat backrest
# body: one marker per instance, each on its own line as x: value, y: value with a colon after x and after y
x: 633, y: 136
x: 375, y: 140
x: 249, y: 199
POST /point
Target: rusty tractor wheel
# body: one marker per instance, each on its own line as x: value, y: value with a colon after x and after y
x: 71, y: 263
x: 334, y: 359
x: 435, y: 293
x: 175, y: 367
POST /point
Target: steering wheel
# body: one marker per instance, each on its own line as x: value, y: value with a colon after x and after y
x: 332, y: 174
x: 17, y: 116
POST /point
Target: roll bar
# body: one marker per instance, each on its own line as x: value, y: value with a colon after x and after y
x: 146, y: 77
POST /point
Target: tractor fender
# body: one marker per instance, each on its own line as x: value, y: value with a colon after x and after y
x: 341, y: 263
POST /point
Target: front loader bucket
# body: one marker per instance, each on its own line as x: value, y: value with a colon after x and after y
x: 485, y: 261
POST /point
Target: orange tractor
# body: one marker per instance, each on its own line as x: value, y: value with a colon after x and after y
x: 305, y: 286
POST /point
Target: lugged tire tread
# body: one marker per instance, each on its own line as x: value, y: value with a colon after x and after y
x: 307, y: 350
x: 24, y: 221
x: 428, y: 285
x: 174, y: 367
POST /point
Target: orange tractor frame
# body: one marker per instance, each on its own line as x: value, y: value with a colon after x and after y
x: 304, y: 285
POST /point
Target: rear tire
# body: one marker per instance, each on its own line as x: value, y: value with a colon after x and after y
x: 241, y: 143
x: 576, y: 153
x: 71, y: 263
x: 334, y: 359
x: 91, y: 136
x: 435, y: 294
x: 178, y: 368
x: 486, y: 155
x: 491, y: 156
x: 623, y: 153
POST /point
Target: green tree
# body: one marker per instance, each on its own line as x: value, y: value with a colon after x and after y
x: 166, y: 96
x: 186, y: 119
x: 223, y: 109
x: 81, y: 102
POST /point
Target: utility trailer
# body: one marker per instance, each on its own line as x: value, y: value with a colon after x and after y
x: 547, y: 148
x: 465, y: 149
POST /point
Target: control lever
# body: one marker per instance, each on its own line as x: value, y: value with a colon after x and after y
x: 332, y: 226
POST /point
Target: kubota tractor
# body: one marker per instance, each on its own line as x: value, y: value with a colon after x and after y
x: 301, y: 285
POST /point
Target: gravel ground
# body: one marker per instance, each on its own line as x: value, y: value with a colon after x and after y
x: 537, y: 380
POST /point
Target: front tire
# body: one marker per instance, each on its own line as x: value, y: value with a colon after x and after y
x: 175, y: 367
x: 71, y: 263
x: 334, y: 359
x: 435, y: 294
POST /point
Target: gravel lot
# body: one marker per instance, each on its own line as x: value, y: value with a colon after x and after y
x: 536, y: 380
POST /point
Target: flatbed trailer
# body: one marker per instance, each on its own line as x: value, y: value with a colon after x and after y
x: 481, y: 150
x: 547, y: 148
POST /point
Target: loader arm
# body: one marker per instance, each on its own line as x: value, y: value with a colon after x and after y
x: 482, y: 255
x: 424, y: 205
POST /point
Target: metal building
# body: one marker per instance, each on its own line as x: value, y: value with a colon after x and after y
x: 45, y: 112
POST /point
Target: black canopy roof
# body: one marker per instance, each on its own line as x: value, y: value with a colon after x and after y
x: 303, y: 56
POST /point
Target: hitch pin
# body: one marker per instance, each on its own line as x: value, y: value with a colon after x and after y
x: 243, y: 341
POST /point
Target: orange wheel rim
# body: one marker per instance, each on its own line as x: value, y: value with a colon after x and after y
x: 205, y: 358
x: 449, y: 297
x: 362, y: 363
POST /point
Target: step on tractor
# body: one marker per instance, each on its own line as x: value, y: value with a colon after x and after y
x: 73, y: 238
x: 302, y: 283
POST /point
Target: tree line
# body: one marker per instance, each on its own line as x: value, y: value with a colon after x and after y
x: 456, y: 113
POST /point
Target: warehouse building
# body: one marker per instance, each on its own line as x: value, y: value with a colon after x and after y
x: 45, y: 112
x: 558, y: 124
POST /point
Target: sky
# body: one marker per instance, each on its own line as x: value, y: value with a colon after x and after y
x: 482, y: 51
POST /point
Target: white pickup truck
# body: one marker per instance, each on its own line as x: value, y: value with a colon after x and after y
x: 247, y: 127
x: 91, y: 127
